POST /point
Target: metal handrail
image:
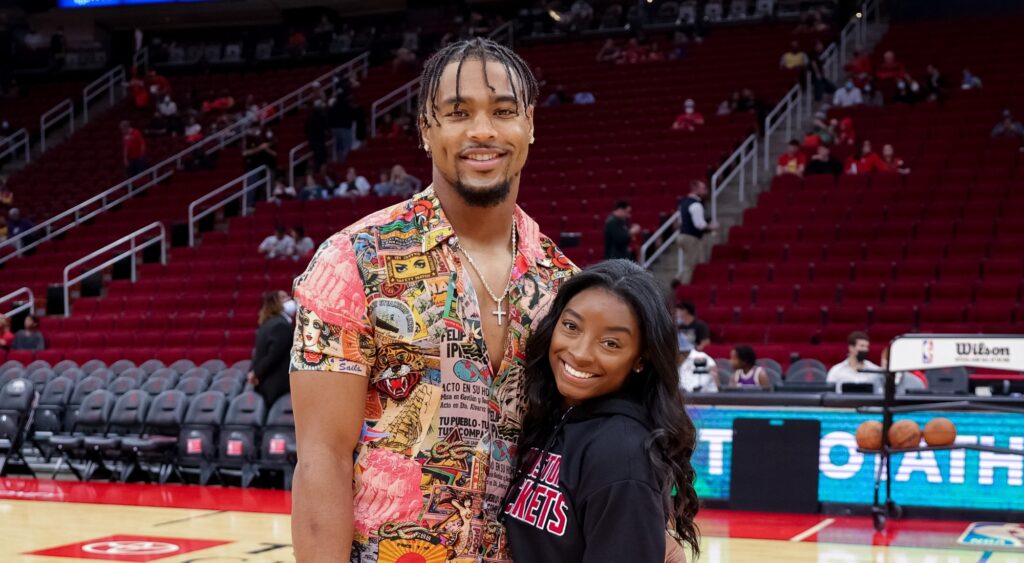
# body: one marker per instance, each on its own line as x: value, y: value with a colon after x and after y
x: 29, y: 305
x: 314, y: 88
x: 404, y: 94
x: 140, y: 60
x: 670, y: 223
x: 789, y: 105
x: 110, y: 83
x: 157, y: 173
x: 59, y: 112
x: 295, y: 158
x: 17, y: 142
x: 249, y: 182
x: 134, y: 247
x: 735, y: 164
x: 504, y: 33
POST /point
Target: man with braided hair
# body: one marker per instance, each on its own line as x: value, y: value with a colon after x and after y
x: 410, y: 396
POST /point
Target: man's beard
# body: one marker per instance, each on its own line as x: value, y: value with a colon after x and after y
x: 483, y: 197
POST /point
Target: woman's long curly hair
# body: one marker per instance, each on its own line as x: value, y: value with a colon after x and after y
x: 671, y: 443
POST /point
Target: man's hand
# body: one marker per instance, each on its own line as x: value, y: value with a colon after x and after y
x: 634, y: 229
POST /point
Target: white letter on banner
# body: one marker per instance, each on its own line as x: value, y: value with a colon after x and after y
x: 716, y: 438
x: 958, y: 460
x: 842, y: 440
x: 989, y: 461
x: 919, y: 461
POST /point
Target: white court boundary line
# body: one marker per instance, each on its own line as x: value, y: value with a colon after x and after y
x: 813, y: 530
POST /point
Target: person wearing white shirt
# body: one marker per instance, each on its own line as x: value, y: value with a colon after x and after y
x: 353, y: 186
x: 847, y: 96
x: 277, y: 245
x: 691, y: 379
x: 848, y: 371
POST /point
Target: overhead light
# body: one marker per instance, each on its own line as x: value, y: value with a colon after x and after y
x: 859, y: 15
x: 650, y: 1
x: 555, y: 15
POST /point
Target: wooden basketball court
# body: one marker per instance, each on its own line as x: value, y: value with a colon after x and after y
x: 61, y: 521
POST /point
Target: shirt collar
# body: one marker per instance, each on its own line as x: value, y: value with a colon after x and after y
x: 425, y: 211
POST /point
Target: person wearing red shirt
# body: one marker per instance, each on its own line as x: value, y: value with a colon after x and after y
x: 793, y: 161
x: 866, y: 161
x: 892, y: 163
x: 690, y: 119
x: 6, y: 336
x: 860, y: 68
x: 847, y: 134
x: 890, y: 70
x: 134, y: 146
x: 159, y: 86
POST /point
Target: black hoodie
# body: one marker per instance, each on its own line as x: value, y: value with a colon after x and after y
x: 592, y: 496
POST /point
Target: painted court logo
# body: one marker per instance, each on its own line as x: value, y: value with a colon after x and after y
x: 993, y: 534
x: 123, y: 547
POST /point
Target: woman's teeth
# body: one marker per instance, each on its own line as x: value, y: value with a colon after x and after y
x: 576, y: 373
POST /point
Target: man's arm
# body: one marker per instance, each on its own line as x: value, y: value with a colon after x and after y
x: 329, y: 410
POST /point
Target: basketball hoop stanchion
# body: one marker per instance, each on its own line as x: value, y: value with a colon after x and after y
x: 943, y: 351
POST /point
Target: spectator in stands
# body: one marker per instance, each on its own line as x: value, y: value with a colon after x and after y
x: 872, y: 97
x: 403, y: 183
x: 848, y: 96
x: 224, y: 102
x: 193, y: 130
x: 277, y: 245
x: 168, y: 117
x: 296, y: 43
x: 860, y: 68
x: 137, y: 90
x: 746, y: 373
x: 6, y: 336
x: 609, y: 52
x: 680, y: 46
x: 304, y: 245
x: 694, y: 229
x: 1008, y: 127
x: 581, y: 13
x: 383, y: 187
x: 3, y: 228
x: 5, y: 129
x: 312, y: 188
x: 584, y: 98
x: 823, y: 163
x: 259, y: 148
x: 6, y: 195
x: 282, y: 191
x: 848, y: 371
x: 688, y: 325
x: 159, y: 86
x: 864, y: 161
x: 271, y: 354
x: 847, y: 132
x: 690, y: 119
x: 634, y: 53
x: 934, y: 84
x: 970, y: 81
x: 794, y: 59
x: 322, y: 33
x: 906, y: 92
x: 558, y: 97
x: 58, y: 49
x: 820, y: 84
x: 316, y: 133
x: 892, y: 163
x: 29, y: 338
x: 619, y: 232
x: 16, y: 224
x: 890, y: 70
x: 793, y: 161
x: 134, y: 149
x: 405, y: 61
x: 340, y: 118
x: 353, y: 186
x: 698, y: 372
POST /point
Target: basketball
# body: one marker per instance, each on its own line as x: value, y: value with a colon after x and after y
x: 939, y: 432
x: 904, y: 434
x: 869, y: 435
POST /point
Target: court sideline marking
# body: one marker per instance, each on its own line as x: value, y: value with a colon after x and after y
x: 813, y: 530
x: 187, y: 518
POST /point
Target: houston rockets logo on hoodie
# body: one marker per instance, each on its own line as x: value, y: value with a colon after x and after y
x: 539, y: 502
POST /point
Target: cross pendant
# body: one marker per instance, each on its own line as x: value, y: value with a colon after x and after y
x: 499, y: 313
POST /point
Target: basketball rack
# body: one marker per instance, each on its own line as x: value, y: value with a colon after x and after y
x: 923, y: 351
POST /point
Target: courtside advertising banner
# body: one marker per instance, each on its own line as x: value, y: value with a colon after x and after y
x: 926, y: 351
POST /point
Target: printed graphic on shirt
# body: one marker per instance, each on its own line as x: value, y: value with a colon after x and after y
x: 538, y: 500
x: 389, y: 299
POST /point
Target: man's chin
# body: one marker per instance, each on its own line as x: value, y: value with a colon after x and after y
x: 488, y: 195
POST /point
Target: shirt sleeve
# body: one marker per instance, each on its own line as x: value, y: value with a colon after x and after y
x: 623, y: 521
x: 332, y: 329
x: 697, y: 214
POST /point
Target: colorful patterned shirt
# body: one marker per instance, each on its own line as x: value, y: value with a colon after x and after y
x: 388, y: 298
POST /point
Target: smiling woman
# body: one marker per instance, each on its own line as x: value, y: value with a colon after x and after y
x: 612, y: 465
